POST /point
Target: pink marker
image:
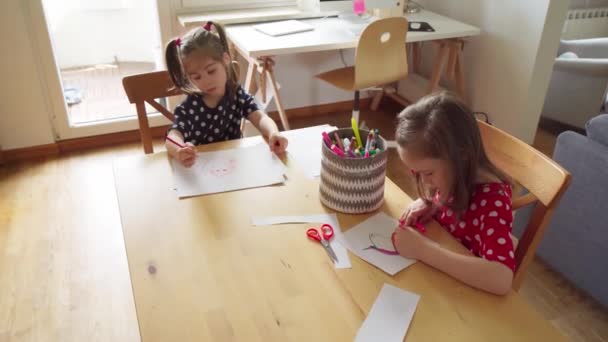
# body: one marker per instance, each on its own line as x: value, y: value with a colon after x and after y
x: 359, y: 6
x: 337, y: 150
x: 327, y: 139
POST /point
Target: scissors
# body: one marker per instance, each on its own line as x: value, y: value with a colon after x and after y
x: 327, y: 232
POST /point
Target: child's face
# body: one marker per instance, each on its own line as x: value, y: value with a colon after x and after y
x: 206, y: 73
x: 434, y: 173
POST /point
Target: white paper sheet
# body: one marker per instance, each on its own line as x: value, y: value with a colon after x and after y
x: 305, y: 148
x: 390, y: 316
x: 341, y: 253
x: 228, y: 170
x: 382, y: 227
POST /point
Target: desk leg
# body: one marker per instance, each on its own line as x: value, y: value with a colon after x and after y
x: 277, y: 100
x: 438, y: 67
x: 459, y: 72
x: 416, y: 57
x: 450, y: 52
x: 452, y: 57
x: 454, y: 71
x: 249, y: 78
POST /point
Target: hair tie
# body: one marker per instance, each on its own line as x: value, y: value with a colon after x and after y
x: 207, y: 26
x: 178, y: 42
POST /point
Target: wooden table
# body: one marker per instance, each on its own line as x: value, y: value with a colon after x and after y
x: 201, y: 272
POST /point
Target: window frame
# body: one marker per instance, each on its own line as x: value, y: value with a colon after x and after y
x: 220, y: 6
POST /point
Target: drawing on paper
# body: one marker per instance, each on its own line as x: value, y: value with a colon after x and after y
x: 221, y: 167
x: 381, y: 243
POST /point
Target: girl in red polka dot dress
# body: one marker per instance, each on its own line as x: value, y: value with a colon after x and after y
x: 461, y: 189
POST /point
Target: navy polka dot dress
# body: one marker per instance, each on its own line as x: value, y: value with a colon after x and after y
x: 201, y: 124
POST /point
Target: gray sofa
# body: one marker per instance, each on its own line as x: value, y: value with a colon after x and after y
x: 577, y: 90
x: 576, y: 241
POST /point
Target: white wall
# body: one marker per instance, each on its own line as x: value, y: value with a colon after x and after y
x: 24, y: 119
x: 508, y: 67
x: 121, y: 29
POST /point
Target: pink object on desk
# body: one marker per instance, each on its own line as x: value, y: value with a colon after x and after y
x: 359, y: 6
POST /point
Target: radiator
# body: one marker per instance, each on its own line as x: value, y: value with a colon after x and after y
x: 586, y: 23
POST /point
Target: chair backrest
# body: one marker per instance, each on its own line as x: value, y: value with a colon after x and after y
x: 545, y: 180
x: 145, y: 88
x: 381, y: 56
x: 150, y: 86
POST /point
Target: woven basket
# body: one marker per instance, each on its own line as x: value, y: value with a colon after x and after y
x: 352, y: 185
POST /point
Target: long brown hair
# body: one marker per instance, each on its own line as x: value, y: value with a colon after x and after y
x: 211, y: 41
x: 441, y: 126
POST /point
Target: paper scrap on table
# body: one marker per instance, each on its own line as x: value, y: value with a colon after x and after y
x: 390, y: 316
x: 382, y: 227
x: 305, y: 148
x: 228, y: 170
x: 341, y: 253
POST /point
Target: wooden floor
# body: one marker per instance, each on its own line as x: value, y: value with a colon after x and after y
x: 103, y: 97
x: 63, y: 266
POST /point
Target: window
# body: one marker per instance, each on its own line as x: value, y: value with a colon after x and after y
x: 219, y: 5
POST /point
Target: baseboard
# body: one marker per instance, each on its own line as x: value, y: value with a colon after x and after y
x: 31, y: 152
x: 78, y: 144
x: 107, y: 139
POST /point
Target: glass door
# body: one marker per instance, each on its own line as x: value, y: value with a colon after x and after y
x: 87, y: 47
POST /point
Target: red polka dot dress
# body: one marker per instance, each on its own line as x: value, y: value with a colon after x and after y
x: 485, y: 228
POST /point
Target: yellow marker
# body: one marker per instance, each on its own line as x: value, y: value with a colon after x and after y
x: 356, y: 131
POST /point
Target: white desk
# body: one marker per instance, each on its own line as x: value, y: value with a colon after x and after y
x: 334, y: 34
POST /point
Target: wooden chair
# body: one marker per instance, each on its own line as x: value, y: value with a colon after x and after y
x: 145, y: 88
x: 380, y: 58
x: 545, y: 180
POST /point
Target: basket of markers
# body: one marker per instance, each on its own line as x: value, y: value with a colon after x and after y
x: 353, y: 169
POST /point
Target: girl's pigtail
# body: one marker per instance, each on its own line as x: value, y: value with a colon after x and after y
x: 174, y: 65
x: 233, y: 77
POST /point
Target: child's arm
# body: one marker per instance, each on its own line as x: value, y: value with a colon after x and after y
x: 269, y: 130
x: 491, y: 276
x: 186, y: 154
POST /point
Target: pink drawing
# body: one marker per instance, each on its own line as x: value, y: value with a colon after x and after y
x: 221, y: 167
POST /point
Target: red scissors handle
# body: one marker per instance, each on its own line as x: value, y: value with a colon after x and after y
x: 327, y: 231
x: 313, y: 233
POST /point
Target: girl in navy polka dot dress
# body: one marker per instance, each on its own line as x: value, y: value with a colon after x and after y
x: 461, y: 189
x: 200, y: 65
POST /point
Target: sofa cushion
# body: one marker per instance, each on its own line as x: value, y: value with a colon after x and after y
x: 567, y: 55
x: 597, y: 129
